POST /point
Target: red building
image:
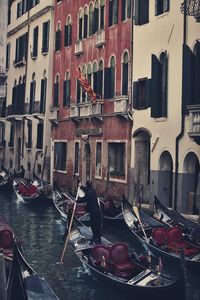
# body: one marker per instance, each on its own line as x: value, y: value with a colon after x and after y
x: 91, y: 137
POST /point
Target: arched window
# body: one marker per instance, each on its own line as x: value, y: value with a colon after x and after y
x: 68, y: 32
x: 80, y: 25
x: 85, y: 25
x: 83, y: 91
x: 58, y: 37
x: 91, y: 19
x: 125, y: 74
x: 126, y: 9
x: 56, y: 91
x: 95, y: 79
x: 113, y: 12
x: 96, y: 17
x: 102, y: 12
x: 66, y: 89
x: 112, y: 80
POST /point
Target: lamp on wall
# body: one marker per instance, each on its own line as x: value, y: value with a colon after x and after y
x: 191, y: 8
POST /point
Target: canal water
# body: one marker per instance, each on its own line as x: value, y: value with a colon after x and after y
x: 41, y: 231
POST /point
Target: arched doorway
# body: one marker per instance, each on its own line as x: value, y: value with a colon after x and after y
x: 165, y: 178
x: 190, y: 183
x: 87, y: 163
x: 142, y: 166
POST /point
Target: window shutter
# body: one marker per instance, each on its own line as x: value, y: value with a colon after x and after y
x: 123, y: 10
x: 69, y: 34
x: 129, y: 8
x: 64, y: 92
x: 66, y: 36
x: 155, y: 87
x: 137, y: 13
x: 115, y: 12
x: 85, y: 30
x: 35, y: 42
x: 188, y: 77
x: 32, y: 95
x: 102, y: 18
x: 99, y: 83
x: 112, y: 82
x: 78, y: 91
x: 56, y: 94
x: 166, y: 5
x: 42, y: 96
x: 107, y: 82
x: 96, y: 19
x: 110, y: 21
x: 148, y: 93
x: 144, y: 11
x: 135, y: 94
x: 80, y: 29
x: 156, y: 8
x: 95, y: 82
x: 68, y: 92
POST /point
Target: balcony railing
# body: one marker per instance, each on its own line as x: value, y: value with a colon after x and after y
x: 121, y: 104
x: 20, y: 61
x: 2, y: 144
x: 194, y: 120
x: 38, y: 108
x: 74, y: 111
x: 12, y: 110
x: 78, y: 47
x: 100, y: 38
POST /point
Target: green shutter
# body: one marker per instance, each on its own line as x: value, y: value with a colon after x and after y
x: 156, y: 86
x: 107, y: 82
x: 148, y: 93
x: 135, y: 94
x: 197, y: 74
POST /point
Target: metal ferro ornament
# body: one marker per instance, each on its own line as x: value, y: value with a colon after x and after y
x: 191, y: 8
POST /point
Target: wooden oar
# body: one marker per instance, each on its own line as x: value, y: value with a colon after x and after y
x: 69, y: 229
x: 138, y: 217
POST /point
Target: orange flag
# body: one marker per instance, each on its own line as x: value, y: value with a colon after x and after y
x: 86, y: 86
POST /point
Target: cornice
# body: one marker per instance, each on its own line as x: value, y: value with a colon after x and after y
x: 30, y: 19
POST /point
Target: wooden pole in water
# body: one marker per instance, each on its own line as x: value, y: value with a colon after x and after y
x: 2, y: 277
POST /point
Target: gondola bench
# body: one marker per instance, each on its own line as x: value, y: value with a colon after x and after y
x: 171, y: 239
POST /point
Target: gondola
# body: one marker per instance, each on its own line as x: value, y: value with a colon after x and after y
x: 30, y: 192
x: 63, y: 201
x: 5, y: 180
x: 112, y: 264
x: 22, y: 282
x: 166, y: 242
x: 172, y: 218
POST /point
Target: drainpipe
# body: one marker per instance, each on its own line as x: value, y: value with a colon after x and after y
x: 180, y: 135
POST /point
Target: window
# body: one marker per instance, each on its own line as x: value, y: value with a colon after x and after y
x: 12, y: 135
x: 8, y: 56
x: 19, y: 9
x: 76, y: 158
x: 40, y: 132
x: 56, y: 91
x: 141, y: 12
x: 80, y: 25
x: 66, y: 90
x: 90, y: 19
x: 98, y: 158
x: 126, y: 9
x: 60, y: 156
x: 102, y: 12
x: 125, y: 78
x: 2, y: 135
x: 32, y: 94
x: 45, y: 37
x: 68, y: 32
x: 159, y: 75
x: 96, y: 17
x: 109, y: 80
x: 58, y: 38
x: 29, y: 142
x: 161, y: 6
x: 85, y: 23
x: 43, y: 92
x: 113, y: 12
x: 21, y: 49
x: 141, y: 93
x: 82, y: 89
x: 9, y: 11
x: 95, y: 82
x: 116, y: 158
x: 89, y: 76
x: 35, y: 43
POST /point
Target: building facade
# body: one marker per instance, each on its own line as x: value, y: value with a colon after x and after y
x: 91, y: 135
x: 166, y: 102
x: 3, y: 38
x: 29, y: 91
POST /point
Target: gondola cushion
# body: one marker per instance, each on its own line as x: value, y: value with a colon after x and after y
x: 108, y: 205
x: 80, y: 209
x: 6, y: 239
x: 159, y: 236
x: 122, y: 265
x: 100, y: 251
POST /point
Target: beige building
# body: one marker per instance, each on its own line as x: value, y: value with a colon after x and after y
x: 166, y: 105
x: 29, y: 86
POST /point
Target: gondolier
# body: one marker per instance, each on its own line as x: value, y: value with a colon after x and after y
x: 93, y: 208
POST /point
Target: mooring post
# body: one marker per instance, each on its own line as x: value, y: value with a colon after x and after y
x: 2, y: 277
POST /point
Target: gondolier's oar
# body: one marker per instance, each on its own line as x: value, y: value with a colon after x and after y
x: 69, y: 229
x: 138, y: 217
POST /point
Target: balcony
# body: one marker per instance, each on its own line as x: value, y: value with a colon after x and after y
x: 121, y: 105
x: 78, y: 47
x: 100, y: 38
x: 15, y: 111
x: 38, y: 110
x: 19, y: 62
x: 85, y: 109
x: 74, y: 111
x: 53, y: 117
x: 194, y: 122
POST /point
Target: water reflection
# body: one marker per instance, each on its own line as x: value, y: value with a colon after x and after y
x: 41, y: 231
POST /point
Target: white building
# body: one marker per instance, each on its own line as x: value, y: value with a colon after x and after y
x: 29, y: 86
x: 166, y: 103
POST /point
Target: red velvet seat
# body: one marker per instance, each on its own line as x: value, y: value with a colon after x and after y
x: 159, y: 236
x: 80, y: 209
x: 122, y: 265
x: 101, y: 255
x: 6, y: 239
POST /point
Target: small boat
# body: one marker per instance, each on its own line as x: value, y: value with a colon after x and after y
x: 22, y: 281
x: 112, y: 264
x: 167, y: 242
x: 5, y: 180
x: 63, y: 201
x: 172, y: 218
x: 31, y: 192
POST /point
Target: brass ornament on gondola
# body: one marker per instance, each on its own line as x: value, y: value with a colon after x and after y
x: 191, y: 8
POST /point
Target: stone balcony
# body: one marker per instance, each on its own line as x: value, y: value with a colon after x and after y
x: 121, y: 105
x: 78, y: 47
x: 100, y: 38
x: 86, y: 110
x: 194, y: 122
